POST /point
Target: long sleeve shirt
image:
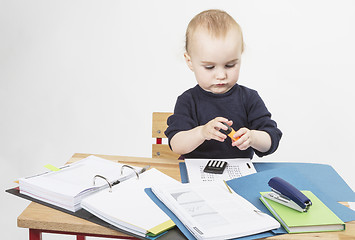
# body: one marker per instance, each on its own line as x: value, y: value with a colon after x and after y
x: 240, y: 104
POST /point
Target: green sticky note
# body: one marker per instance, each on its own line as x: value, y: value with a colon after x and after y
x: 52, y: 168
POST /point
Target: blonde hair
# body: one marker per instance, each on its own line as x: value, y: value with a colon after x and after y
x: 216, y: 22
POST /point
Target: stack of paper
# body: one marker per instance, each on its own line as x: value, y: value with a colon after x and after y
x: 128, y: 207
x: 68, y: 186
x: 211, y: 211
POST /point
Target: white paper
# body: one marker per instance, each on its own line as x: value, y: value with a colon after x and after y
x: 66, y: 188
x: 352, y: 205
x: 210, y: 211
x: 236, y: 167
x: 128, y: 206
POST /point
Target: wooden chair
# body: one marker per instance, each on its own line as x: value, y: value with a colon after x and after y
x: 159, y: 125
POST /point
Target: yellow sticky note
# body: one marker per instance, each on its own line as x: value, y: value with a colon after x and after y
x: 161, y: 228
x: 52, y: 168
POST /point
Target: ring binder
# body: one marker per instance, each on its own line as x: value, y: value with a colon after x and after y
x: 75, y: 181
x: 137, y: 174
x: 118, y: 181
x: 110, y: 185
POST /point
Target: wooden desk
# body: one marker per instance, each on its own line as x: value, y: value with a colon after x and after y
x: 38, y: 218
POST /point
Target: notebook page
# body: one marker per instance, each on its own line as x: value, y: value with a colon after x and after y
x: 76, y: 177
x: 128, y: 205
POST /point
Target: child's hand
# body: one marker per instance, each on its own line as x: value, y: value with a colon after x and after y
x: 211, y: 129
x: 245, y: 139
x: 259, y: 140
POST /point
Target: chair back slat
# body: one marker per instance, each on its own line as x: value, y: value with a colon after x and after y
x: 159, y: 125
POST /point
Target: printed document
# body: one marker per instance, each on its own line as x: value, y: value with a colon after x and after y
x: 236, y: 167
x: 210, y: 211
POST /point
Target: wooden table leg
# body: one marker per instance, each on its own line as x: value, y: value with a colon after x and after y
x: 35, y: 234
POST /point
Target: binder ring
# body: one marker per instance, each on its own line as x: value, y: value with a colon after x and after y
x: 130, y: 168
x: 109, y: 184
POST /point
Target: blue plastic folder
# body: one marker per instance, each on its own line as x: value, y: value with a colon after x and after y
x: 321, y: 179
x: 321, y: 176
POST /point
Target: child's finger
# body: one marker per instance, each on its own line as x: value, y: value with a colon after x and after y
x: 238, y: 143
x: 230, y: 122
x: 220, y: 136
x: 220, y: 125
x: 245, y: 145
x: 240, y: 132
x: 221, y: 119
x: 242, y: 137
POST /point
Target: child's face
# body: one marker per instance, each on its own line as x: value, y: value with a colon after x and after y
x: 215, y: 61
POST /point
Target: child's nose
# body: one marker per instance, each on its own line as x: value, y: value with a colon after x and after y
x: 221, y: 74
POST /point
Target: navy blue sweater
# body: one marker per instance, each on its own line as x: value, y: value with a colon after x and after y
x: 243, y: 105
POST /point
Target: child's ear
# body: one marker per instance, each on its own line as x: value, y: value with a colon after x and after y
x: 188, y: 60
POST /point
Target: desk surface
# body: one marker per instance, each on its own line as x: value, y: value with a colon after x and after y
x: 37, y: 216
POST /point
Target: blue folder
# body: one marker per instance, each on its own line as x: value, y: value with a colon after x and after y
x: 321, y: 179
x: 321, y: 176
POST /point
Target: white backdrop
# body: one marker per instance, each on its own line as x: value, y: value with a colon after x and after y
x: 85, y: 76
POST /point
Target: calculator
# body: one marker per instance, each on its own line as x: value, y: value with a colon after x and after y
x: 215, y: 166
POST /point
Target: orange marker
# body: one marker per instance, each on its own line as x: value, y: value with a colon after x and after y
x: 229, y: 132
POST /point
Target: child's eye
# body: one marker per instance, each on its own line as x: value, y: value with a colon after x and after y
x: 230, y: 65
x: 209, y: 67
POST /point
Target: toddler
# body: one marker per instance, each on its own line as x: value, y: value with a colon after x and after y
x: 214, y: 45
